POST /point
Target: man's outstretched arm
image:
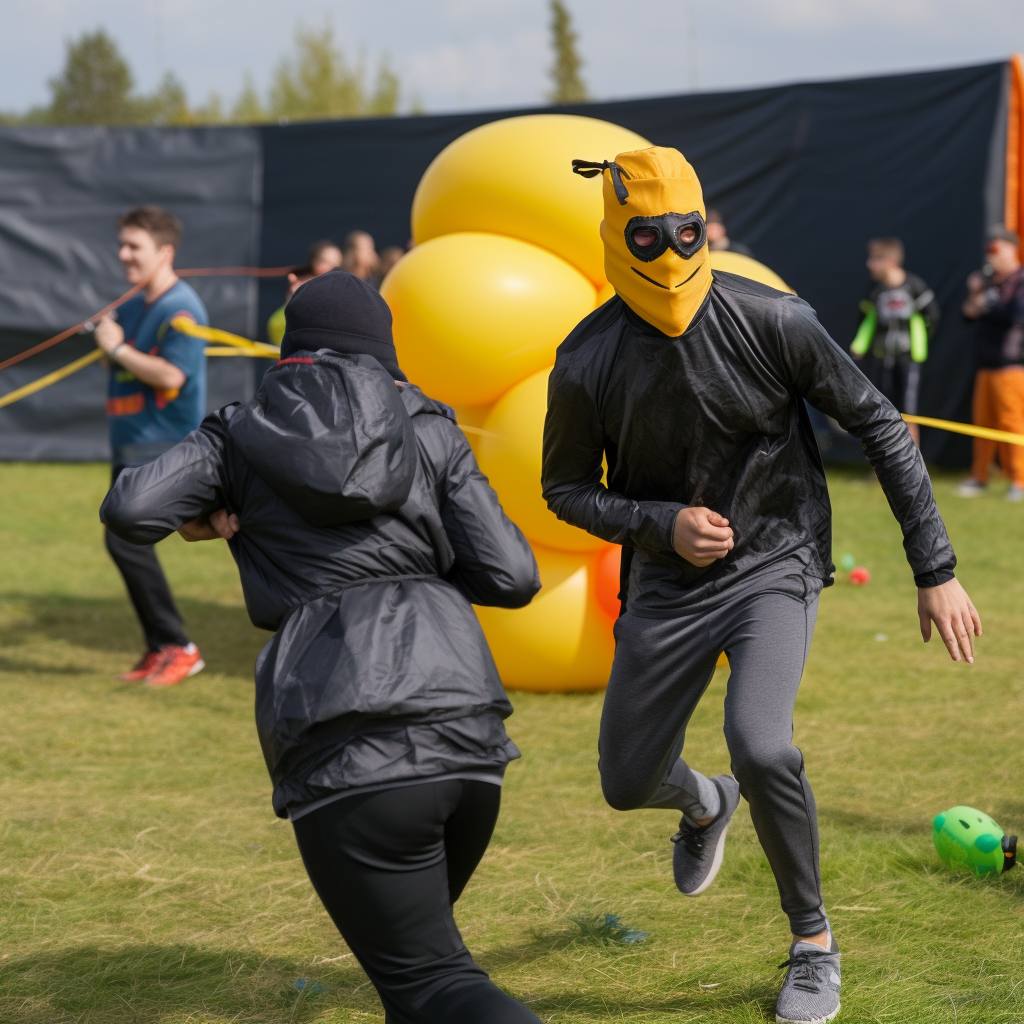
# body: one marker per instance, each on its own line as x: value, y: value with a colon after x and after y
x: 823, y: 374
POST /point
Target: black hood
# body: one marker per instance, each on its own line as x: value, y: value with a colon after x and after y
x: 340, y: 312
x: 331, y: 435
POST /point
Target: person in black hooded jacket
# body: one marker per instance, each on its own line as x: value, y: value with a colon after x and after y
x: 363, y: 530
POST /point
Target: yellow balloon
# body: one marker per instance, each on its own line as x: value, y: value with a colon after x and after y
x: 509, y: 453
x: 744, y: 266
x: 471, y: 419
x: 514, y: 177
x: 606, y: 292
x: 475, y: 313
x: 562, y: 640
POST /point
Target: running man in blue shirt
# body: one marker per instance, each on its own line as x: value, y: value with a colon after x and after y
x: 157, y: 395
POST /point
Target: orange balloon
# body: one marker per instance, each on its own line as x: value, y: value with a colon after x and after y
x: 606, y: 580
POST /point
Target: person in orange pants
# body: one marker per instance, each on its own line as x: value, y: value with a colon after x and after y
x: 996, y: 299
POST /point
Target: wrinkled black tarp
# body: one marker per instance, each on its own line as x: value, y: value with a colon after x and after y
x: 804, y: 175
x: 60, y: 192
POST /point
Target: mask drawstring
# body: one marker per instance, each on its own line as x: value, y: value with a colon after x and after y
x: 590, y: 169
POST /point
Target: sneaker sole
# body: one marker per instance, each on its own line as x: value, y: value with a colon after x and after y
x: 194, y: 670
x: 817, y: 1020
x: 715, y: 864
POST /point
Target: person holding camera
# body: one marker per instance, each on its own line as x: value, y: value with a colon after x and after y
x: 995, y: 298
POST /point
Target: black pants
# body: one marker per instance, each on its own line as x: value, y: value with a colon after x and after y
x: 148, y: 589
x: 898, y: 378
x: 388, y: 866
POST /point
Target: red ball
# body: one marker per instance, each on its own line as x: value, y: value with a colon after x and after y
x: 860, y: 576
x: 606, y: 579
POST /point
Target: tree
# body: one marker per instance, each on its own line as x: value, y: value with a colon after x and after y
x: 169, y: 104
x: 318, y: 82
x: 248, y: 108
x: 384, y: 101
x: 566, y: 81
x: 94, y: 87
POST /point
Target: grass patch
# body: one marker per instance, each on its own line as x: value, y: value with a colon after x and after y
x: 144, y: 877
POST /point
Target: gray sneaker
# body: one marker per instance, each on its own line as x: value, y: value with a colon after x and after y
x: 971, y: 489
x: 699, y: 848
x: 810, y: 993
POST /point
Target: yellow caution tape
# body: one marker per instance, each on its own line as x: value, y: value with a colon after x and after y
x: 967, y: 428
x: 233, y: 345
x: 51, y: 378
x: 184, y: 325
x: 213, y: 350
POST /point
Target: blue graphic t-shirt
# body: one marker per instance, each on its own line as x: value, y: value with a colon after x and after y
x: 144, y: 421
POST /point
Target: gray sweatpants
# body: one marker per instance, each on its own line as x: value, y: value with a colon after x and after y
x: 662, y: 668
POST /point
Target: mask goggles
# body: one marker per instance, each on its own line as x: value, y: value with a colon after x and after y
x: 648, y: 237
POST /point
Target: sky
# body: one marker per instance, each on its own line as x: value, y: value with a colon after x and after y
x: 477, y: 54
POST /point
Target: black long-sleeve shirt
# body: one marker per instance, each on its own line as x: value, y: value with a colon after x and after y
x: 716, y: 418
x: 1001, y: 327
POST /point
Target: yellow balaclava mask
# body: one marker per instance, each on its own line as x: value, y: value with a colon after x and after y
x: 655, y: 239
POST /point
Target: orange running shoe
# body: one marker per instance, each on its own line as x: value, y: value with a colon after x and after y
x: 143, y: 667
x: 175, y: 665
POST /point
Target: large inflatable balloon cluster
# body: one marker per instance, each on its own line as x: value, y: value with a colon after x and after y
x: 508, y: 259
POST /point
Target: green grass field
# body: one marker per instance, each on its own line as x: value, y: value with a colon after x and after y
x: 144, y: 877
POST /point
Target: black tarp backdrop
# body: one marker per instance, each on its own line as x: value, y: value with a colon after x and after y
x: 805, y: 174
x: 61, y: 190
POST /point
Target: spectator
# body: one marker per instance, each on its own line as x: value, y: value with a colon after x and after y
x: 718, y: 237
x: 360, y: 255
x: 388, y: 258
x: 324, y: 256
x: 900, y: 315
x: 157, y: 395
x: 995, y: 297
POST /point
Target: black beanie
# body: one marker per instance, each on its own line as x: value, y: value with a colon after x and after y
x: 341, y: 312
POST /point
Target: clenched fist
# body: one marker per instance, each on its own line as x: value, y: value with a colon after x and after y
x: 701, y: 536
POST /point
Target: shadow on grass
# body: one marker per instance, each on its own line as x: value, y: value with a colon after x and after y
x: 30, y: 667
x: 590, y: 954
x: 153, y: 984
x: 150, y: 984
x: 225, y: 635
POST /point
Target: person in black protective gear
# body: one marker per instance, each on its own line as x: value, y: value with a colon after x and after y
x: 900, y: 316
x: 692, y: 388
x: 363, y: 530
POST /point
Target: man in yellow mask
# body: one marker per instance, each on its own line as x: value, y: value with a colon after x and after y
x: 692, y: 385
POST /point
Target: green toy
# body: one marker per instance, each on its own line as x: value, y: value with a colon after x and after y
x: 967, y: 839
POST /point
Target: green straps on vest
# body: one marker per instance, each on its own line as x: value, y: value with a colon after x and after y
x: 275, y: 326
x: 918, y: 338
x: 866, y: 331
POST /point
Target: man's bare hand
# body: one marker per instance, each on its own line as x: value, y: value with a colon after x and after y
x: 215, y: 526
x: 955, y: 617
x: 108, y: 334
x: 701, y: 536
